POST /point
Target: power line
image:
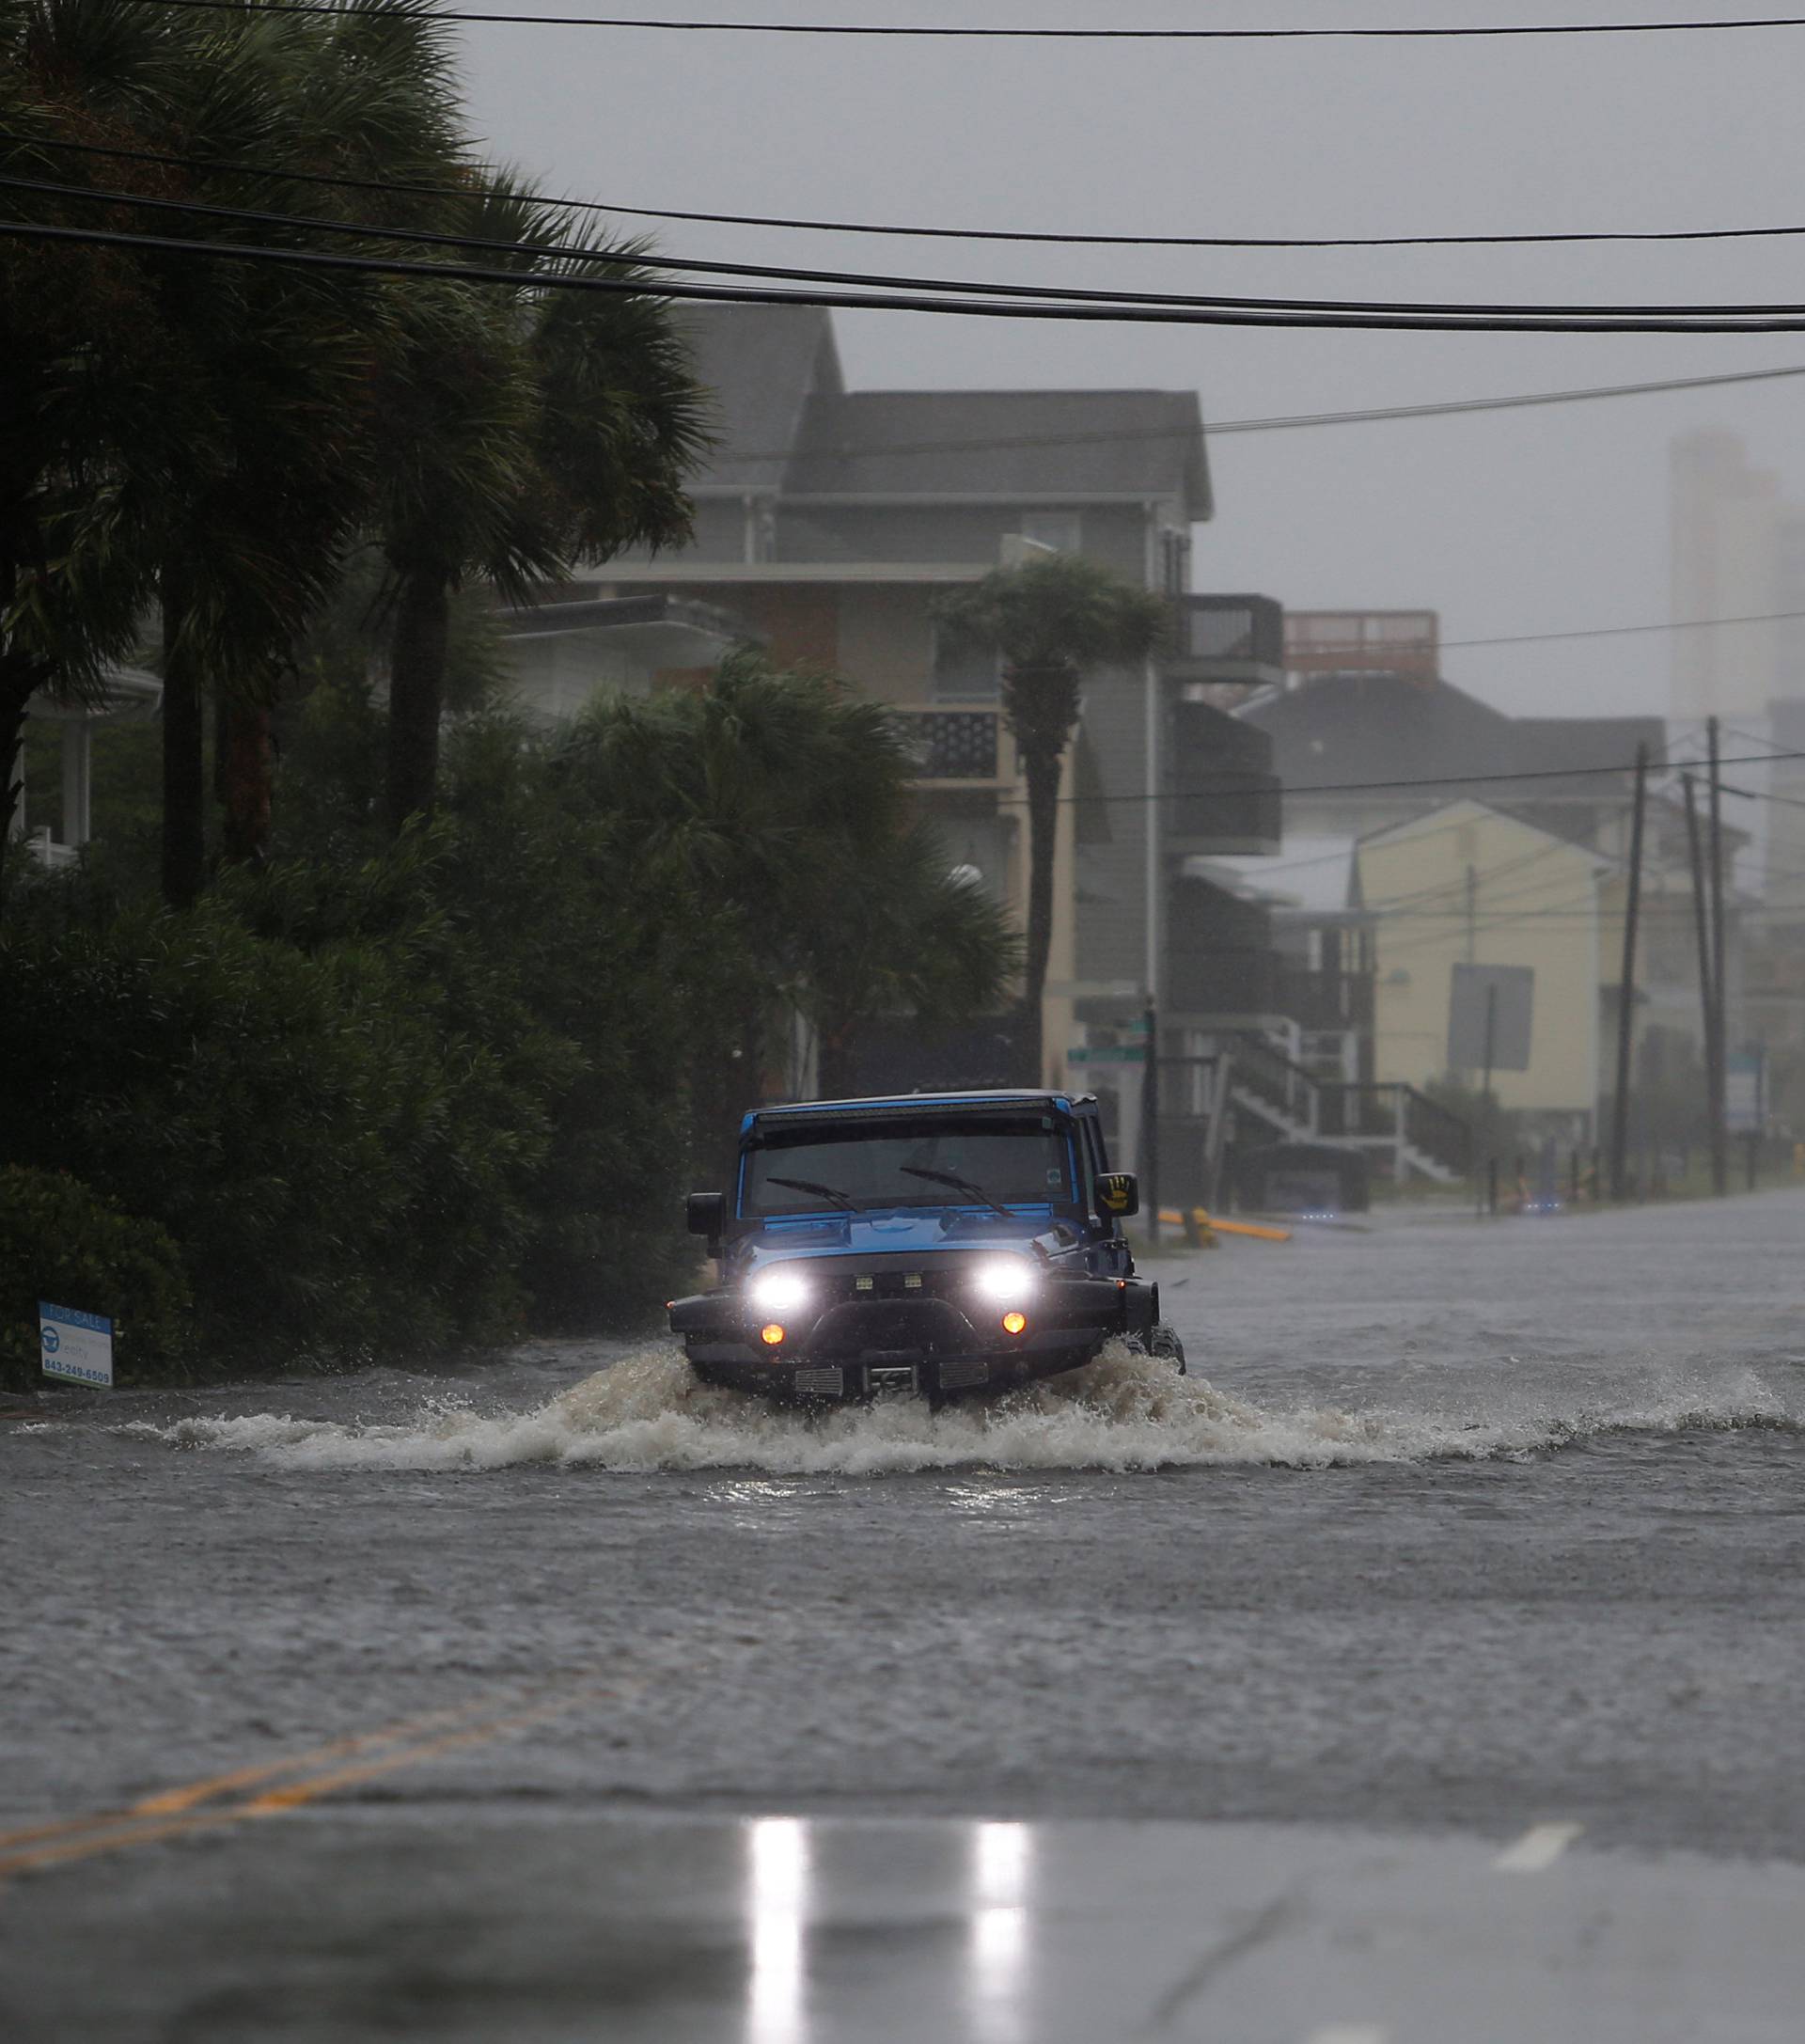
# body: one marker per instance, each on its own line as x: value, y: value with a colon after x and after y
x: 1068, y: 239
x: 1270, y: 423
x: 1629, y: 631
x: 991, y: 34
x: 1545, y: 239
x: 869, y: 280
x: 1236, y: 785
x: 1274, y: 422
x: 1749, y: 738
x: 1114, y: 313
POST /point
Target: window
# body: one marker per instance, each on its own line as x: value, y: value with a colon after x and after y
x: 964, y: 672
x: 1062, y: 531
x: 1018, y: 1159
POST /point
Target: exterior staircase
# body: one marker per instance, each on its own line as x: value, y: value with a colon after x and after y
x: 1422, y: 1137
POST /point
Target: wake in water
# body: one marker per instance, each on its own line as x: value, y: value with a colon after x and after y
x: 1123, y: 1412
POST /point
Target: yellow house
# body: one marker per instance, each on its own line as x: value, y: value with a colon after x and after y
x: 1469, y: 884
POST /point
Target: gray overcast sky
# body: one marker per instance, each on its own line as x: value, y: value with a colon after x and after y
x: 1525, y: 521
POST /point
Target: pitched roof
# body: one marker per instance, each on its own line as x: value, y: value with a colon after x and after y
x: 1558, y: 743
x: 1047, y: 443
x: 785, y: 420
x: 1433, y: 823
x: 762, y: 363
x: 1384, y: 727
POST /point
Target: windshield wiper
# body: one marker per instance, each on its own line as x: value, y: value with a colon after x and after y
x: 959, y: 1185
x: 844, y: 1200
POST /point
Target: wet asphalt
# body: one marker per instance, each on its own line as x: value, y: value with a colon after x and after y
x: 572, y: 1706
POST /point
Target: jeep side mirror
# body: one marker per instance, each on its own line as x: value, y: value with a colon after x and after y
x: 1117, y: 1194
x: 706, y: 1213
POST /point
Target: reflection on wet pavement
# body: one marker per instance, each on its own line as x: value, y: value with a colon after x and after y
x: 1002, y: 1863
x: 777, y: 1907
x: 780, y: 1903
x: 563, y: 1927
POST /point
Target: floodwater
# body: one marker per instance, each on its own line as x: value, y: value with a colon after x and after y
x: 1457, y: 1529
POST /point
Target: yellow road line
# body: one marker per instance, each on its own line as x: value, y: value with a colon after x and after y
x: 296, y: 1793
x: 172, y: 1815
x: 173, y: 1802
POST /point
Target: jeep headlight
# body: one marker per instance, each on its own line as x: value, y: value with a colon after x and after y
x: 1006, y: 1279
x: 777, y: 1291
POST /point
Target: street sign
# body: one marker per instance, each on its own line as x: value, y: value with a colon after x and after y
x: 77, y: 1346
x: 1743, y: 1104
x: 1107, y: 1054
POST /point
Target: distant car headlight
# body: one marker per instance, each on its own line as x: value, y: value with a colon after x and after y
x: 1006, y: 1279
x: 777, y: 1291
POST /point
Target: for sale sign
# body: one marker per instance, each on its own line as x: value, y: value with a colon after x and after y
x: 77, y: 1346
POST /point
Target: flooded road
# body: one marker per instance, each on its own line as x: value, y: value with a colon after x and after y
x: 1458, y: 1533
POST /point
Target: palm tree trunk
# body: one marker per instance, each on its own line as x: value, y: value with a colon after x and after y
x: 246, y: 759
x: 19, y: 678
x: 1041, y: 769
x: 185, y: 770
x: 836, y: 1063
x: 415, y: 696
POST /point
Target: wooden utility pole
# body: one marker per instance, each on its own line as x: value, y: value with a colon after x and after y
x: 1719, y: 1136
x: 1707, y: 1000
x: 1627, y: 991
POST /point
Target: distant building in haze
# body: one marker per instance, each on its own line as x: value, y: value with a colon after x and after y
x: 1737, y: 550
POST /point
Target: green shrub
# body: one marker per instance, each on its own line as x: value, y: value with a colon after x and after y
x: 343, y: 1172
x: 62, y: 1241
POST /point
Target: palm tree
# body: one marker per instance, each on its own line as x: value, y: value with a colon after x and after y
x: 904, y: 936
x: 776, y: 806
x: 83, y: 415
x: 180, y: 423
x: 519, y: 433
x: 274, y: 487
x: 1051, y: 621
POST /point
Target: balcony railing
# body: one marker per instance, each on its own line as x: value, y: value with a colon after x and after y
x: 1219, y: 960
x: 1326, y: 1000
x: 1221, y: 793
x: 1364, y: 642
x: 953, y: 744
x: 1226, y: 638
x: 1390, y: 1111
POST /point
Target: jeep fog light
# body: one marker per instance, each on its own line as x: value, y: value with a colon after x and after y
x: 1006, y: 1279
x: 772, y: 1335
x: 777, y: 1291
x: 1015, y: 1322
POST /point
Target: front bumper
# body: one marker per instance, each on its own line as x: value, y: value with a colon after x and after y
x: 931, y: 1346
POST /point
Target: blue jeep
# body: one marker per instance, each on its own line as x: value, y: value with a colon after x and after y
x: 926, y: 1245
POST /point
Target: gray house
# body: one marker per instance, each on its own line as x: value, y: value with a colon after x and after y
x: 829, y: 523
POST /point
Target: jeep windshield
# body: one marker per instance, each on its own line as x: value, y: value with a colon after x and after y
x: 1018, y: 1159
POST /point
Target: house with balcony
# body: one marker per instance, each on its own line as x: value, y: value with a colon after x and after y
x: 829, y: 524
x: 1323, y: 949
x: 1173, y: 780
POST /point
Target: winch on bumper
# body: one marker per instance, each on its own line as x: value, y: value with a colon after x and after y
x: 932, y: 1329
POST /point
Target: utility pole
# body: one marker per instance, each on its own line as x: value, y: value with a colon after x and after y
x: 1719, y: 1139
x: 1707, y: 1001
x: 1150, y: 1123
x: 1627, y: 991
